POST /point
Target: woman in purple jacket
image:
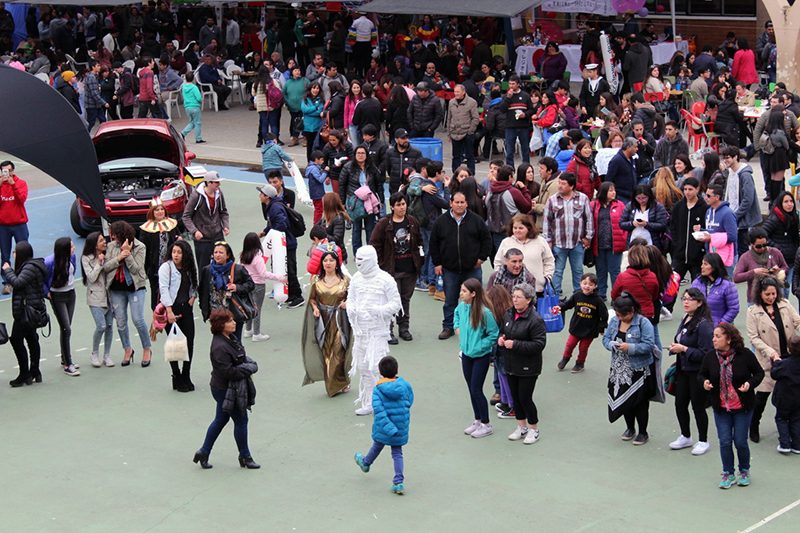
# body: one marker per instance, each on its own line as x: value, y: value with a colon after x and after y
x: 553, y: 64
x: 720, y: 292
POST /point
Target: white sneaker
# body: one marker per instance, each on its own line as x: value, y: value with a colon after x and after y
x: 784, y: 451
x: 260, y: 338
x: 700, y: 448
x: 469, y: 430
x: 681, y: 443
x: 665, y: 314
x: 484, y: 430
x: 247, y: 333
x: 364, y: 411
x: 71, y: 371
x: 107, y: 361
x: 532, y: 436
x: 519, y: 433
x: 95, y: 360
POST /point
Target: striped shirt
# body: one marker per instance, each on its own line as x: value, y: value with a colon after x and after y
x: 566, y: 222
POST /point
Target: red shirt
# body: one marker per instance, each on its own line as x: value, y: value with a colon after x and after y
x: 12, y: 202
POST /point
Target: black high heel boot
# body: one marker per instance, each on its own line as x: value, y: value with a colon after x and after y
x: 36, y: 375
x: 187, y: 380
x: 21, y: 380
x: 247, y: 462
x: 202, y: 458
x: 175, y: 381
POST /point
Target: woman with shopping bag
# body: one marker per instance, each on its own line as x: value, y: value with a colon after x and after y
x: 177, y: 283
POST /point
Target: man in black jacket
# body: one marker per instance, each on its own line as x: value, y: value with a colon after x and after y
x: 376, y: 148
x: 460, y: 243
x: 519, y: 110
x: 399, y: 161
x: 688, y: 215
x: 425, y: 112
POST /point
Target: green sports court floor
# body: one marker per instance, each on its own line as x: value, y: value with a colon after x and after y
x: 111, y: 451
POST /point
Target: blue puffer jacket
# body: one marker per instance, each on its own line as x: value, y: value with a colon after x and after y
x: 391, y: 403
x: 640, y: 338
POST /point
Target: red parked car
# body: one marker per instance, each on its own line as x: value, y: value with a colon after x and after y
x: 139, y: 159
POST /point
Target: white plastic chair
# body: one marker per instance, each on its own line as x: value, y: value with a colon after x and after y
x: 237, y: 87
x: 129, y: 64
x: 227, y: 64
x: 207, y: 90
x: 173, y: 99
x: 188, y: 45
x: 44, y: 77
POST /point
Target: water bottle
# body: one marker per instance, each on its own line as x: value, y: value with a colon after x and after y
x: 439, y: 283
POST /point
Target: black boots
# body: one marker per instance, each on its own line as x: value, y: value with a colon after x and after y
x: 22, y: 379
x: 247, y: 462
x: 181, y: 381
x: 202, y: 459
x: 187, y: 380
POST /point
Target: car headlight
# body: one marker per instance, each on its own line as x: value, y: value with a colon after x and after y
x: 173, y: 193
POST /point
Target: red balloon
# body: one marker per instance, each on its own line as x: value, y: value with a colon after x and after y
x: 660, y: 8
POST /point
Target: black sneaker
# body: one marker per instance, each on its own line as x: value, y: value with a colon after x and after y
x: 446, y: 334
x: 640, y: 439
x: 201, y: 141
x: 507, y: 414
x: 294, y: 304
x: 563, y: 363
x: 628, y: 434
x: 500, y: 407
x: 406, y: 335
x: 755, y: 436
x: 393, y: 340
x: 577, y: 369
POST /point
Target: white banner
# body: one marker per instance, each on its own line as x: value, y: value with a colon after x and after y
x: 597, y: 7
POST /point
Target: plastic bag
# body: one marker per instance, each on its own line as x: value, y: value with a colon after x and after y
x: 553, y: 322
x: 176, y: 348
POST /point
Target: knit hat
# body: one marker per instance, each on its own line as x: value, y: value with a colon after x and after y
x: 67, y: 75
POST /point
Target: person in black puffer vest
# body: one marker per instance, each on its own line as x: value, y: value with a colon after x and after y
x: 27, y: 278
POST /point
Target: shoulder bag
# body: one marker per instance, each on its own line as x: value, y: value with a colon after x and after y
x: 241, y: 306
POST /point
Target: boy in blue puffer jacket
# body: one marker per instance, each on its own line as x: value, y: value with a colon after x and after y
x: 391, y: 404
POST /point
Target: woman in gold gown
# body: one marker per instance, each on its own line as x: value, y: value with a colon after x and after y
x: 326, y: 331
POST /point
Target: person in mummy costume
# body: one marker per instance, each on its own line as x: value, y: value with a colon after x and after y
x: 372, y: 303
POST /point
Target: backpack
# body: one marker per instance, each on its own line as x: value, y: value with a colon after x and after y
x: 296, y: 223
x: 497, y: 214
x: 274, y: 98
x: 415, y: 207
x: 134, y: 84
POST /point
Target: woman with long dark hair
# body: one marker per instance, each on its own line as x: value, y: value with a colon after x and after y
x: 610, y: 240
x: 334, y: 107
x: 361, y: 171
x: 645, y: 218
x: 690, y: 345
x: 472, y: 192
x: 126, y: 281
x: 59, y: 288
x: 337, y: 152
x: 783, y: 232
x: 334, y: 220
x: 397, y: 110
x: 94, y: 279
x: 27, y: 279
x: 776, y: 148
x: 730, y: 373
x: 719, y: 291
x: 157, y: 234
x: 219, y: 280
x: 631, y: 382
x: 312, y: 108
x: 526, y: 179
x: 354, y: 96
x: 177, y: 282
x: 682, y: 168
x: 252, y: 259
x: 268, y: 112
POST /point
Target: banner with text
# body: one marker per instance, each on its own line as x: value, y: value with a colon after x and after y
x: 597, y: 7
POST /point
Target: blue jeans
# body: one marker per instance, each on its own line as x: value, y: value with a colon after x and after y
x: 426, y: 275
x: 18, y: 232
x: 789, y: 277
x: 575, y: 256
x: 788, y: 424
x: 452, y: 286
x: 221, y: 420
x: 733, y: 428
x: 368, y: 224
x: 120, y: 300
x: 475, y: 370
x: 195, y: 123
x: 268, y: 122
x: 103, y: 322
x: 397, y: 459
x: 524, y: 136
x: 607, y: 264
x: 464, y: 150
x: 352, y: 132
x: 95, y: 114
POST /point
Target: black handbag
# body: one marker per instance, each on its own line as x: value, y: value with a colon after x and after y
x: 3, y: 334
x: 242, y: 307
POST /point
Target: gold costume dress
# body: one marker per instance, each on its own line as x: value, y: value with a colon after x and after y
x: 327, y: 340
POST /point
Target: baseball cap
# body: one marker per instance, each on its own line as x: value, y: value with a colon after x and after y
x: 268, y: 190
x: 212, y: 175
x: 400, y: 133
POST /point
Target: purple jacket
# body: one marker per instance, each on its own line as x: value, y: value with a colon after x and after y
x: 722, y: 298
x: 50, y: 263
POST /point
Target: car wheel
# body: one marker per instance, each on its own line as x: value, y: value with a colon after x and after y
x: 75, y: 220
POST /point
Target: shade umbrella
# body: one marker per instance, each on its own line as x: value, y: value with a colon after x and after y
x: 42, y: 128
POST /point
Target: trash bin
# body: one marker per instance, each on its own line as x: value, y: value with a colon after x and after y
x: 430, y: 147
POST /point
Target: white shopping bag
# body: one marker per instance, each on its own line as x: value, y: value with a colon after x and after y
x: 176, y: 348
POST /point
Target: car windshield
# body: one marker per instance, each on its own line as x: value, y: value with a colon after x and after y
x: 137, y: 163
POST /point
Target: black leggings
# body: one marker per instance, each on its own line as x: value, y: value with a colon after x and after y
x: 186, y: 324
x: 522, y: 394
x: 639, y: 414
x: 21, y: 333
x: 758, y: 410
x: 310, y: 136
x: 63, y: 304
x: 689, y: 390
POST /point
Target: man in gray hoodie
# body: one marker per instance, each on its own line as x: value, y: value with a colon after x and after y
x: 669, y: 146
x: 740, y: 193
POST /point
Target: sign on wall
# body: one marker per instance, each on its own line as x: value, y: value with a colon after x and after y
x: 597, y: 7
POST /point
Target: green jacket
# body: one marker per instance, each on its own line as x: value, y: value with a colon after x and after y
x: 191, y: 96
x: 294, y: 90
x: 475, y: 342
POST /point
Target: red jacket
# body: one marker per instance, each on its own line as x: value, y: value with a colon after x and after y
x: 585, y: 182
x: 744, y: 67
x: 314, y: 265
x: 547, y: 117
x: 642, y: 285
x: 12, y: 202
x: 147, y: 92
x: 619, y: 236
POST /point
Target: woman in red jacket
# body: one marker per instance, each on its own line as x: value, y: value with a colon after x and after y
x: 639, y: 281
x: 744, y: 64
x: 549, y: 111
x: 582, y: 165
x: 609, y: 240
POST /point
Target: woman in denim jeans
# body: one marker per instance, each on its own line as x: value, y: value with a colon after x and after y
x: 731, y: 373
x: 126, y: 282
x: 94, y: 279
x: 59, y: 288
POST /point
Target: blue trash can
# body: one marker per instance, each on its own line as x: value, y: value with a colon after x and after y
x: 430, y: 147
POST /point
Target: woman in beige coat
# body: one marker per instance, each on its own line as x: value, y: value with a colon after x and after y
x: 771, y: 322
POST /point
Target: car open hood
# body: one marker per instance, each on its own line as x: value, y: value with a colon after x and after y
x: 136, y: 143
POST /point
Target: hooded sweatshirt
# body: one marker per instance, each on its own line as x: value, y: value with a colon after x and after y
x: 511, y: 201
x: 12, y: 202
x: 391, y: 403
x: 667, y: 150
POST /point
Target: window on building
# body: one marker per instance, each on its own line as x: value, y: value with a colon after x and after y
x: 708, y: 7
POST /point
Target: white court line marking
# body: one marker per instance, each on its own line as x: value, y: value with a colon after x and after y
x: 81, y: 349
x: 49, y: 195
x: 771, y: 517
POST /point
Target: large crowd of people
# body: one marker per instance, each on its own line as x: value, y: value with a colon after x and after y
x: 616, y: 185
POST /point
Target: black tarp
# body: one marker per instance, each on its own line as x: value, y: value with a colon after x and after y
x: 42, y: 128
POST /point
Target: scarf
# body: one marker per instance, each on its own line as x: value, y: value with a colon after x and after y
x: 220, y: 274
x: 589, y: 162
x: 762, y: 258
x: 789, y: 220
x: 504, y: 277
x: 727, y: 392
